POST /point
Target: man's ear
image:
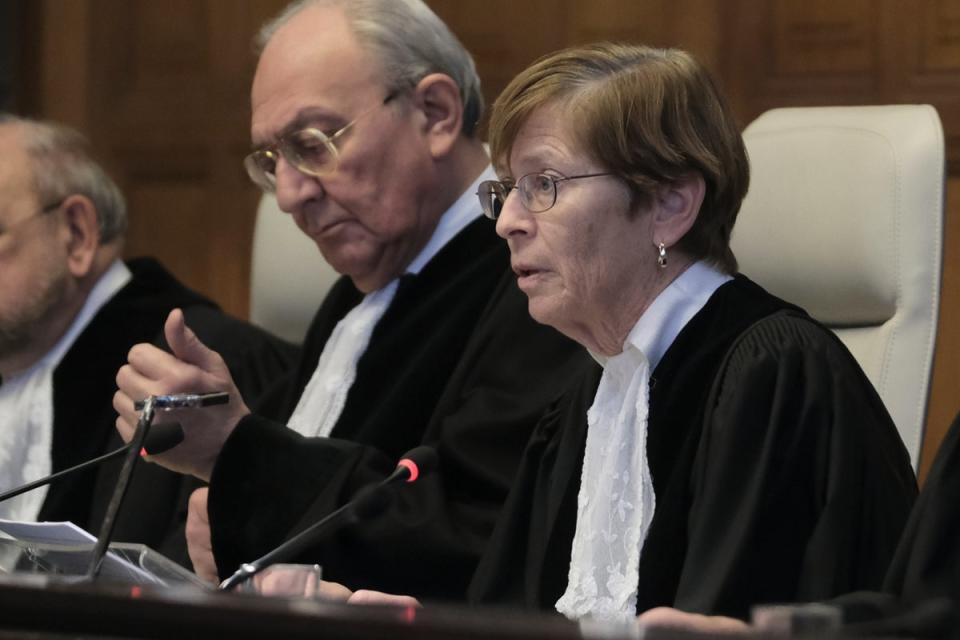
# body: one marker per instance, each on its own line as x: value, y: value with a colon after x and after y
x: 83, y: 240
x: 438, y: 98
x: 676, y: 208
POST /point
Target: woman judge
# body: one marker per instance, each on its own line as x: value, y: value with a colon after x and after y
x: 730, y: 450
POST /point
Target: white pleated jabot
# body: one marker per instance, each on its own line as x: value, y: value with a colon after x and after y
x: 323, y: 398
x: 325, y: 395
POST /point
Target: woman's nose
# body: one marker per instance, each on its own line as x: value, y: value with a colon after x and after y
x: 514, y: 219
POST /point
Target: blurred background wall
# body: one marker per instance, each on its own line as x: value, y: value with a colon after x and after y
x: 162, y: 89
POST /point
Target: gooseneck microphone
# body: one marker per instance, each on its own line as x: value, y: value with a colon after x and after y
x: 367, y: 503
x: 162, y: 437
x: 147, y: 408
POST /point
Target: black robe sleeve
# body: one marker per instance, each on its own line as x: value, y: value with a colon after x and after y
x: 800, y: 486
x: 927, y: 562
x: 269, y: 482
x: 921, y: 594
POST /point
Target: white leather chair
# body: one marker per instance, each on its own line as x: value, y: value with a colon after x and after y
x: 844, y: 217
x: 289, y: 277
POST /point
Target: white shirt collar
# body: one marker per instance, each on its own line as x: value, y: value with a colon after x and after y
x: 670, y: 311
x: 461, y: 213
x: 113, y: 279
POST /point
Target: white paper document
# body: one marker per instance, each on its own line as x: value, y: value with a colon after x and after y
x: 70, y: 561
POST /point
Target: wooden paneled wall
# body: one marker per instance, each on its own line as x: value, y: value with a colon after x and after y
x: 162, y: 88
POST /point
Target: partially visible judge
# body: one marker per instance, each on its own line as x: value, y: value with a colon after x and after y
x: 921, y: 592
x: 70, y: 309
x: 364, y: 116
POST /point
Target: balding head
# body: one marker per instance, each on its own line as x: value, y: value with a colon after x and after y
x: 406, y: 40
x: 396, y: 156
x: 62, y: 164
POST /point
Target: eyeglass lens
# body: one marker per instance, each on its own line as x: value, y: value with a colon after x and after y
x: 538, y: 192
x: 491, y: 194
x: 309, y: 151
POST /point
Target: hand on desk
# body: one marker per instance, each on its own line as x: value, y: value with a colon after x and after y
x: 193, y: 368
x: 673, y: 619
x: 365, y: 597
x: 289, y: 581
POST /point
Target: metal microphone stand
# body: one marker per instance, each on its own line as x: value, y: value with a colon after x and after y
x: 123, y: 481
x: 147, y: 408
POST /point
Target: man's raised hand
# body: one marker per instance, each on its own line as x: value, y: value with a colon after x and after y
x: 191, y: 368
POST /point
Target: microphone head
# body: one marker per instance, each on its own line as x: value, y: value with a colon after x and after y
x: 162, y: 437
x: 418, y: 461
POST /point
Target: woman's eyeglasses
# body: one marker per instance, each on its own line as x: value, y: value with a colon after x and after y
x: 538, y: 192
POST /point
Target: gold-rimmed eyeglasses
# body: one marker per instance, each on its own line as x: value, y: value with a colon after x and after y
x: 308, y: 150
x: 538, y: 192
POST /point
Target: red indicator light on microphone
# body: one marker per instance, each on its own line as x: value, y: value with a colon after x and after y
x: 411, y: 466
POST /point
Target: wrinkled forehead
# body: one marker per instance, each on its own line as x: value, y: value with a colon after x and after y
x: 542, y: 137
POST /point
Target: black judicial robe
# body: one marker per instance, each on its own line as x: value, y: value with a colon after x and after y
x: 456, y: 363
x: 84, y: 383
x: 921, y: 592
x: 778, y: 474
x: 927, y: 562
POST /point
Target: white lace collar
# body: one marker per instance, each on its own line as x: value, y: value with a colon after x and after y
x: 616, y: 502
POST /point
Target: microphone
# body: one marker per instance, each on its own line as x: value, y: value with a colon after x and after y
x: 162, y: 437
x: 368, y: 502
x: 147, y: 408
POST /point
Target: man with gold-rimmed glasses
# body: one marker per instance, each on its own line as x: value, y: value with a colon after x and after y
x: 364, y: 117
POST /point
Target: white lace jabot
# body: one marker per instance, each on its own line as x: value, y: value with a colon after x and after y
x: 616, y: 502
x: 325, y: 395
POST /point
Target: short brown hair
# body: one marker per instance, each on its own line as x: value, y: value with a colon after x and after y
x: 650, y: 116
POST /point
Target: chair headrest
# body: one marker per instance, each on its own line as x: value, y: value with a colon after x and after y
x: 289, y: 277
x: 835, y: 193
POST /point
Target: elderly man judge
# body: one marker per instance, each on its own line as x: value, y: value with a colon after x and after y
x: 364, y: 117
x: 70, y: 309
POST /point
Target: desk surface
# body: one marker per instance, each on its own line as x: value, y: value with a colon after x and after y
x: 38, y: 606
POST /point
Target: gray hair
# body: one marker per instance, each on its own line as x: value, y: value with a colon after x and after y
x: 63, y: 165
x: 408, y: 40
